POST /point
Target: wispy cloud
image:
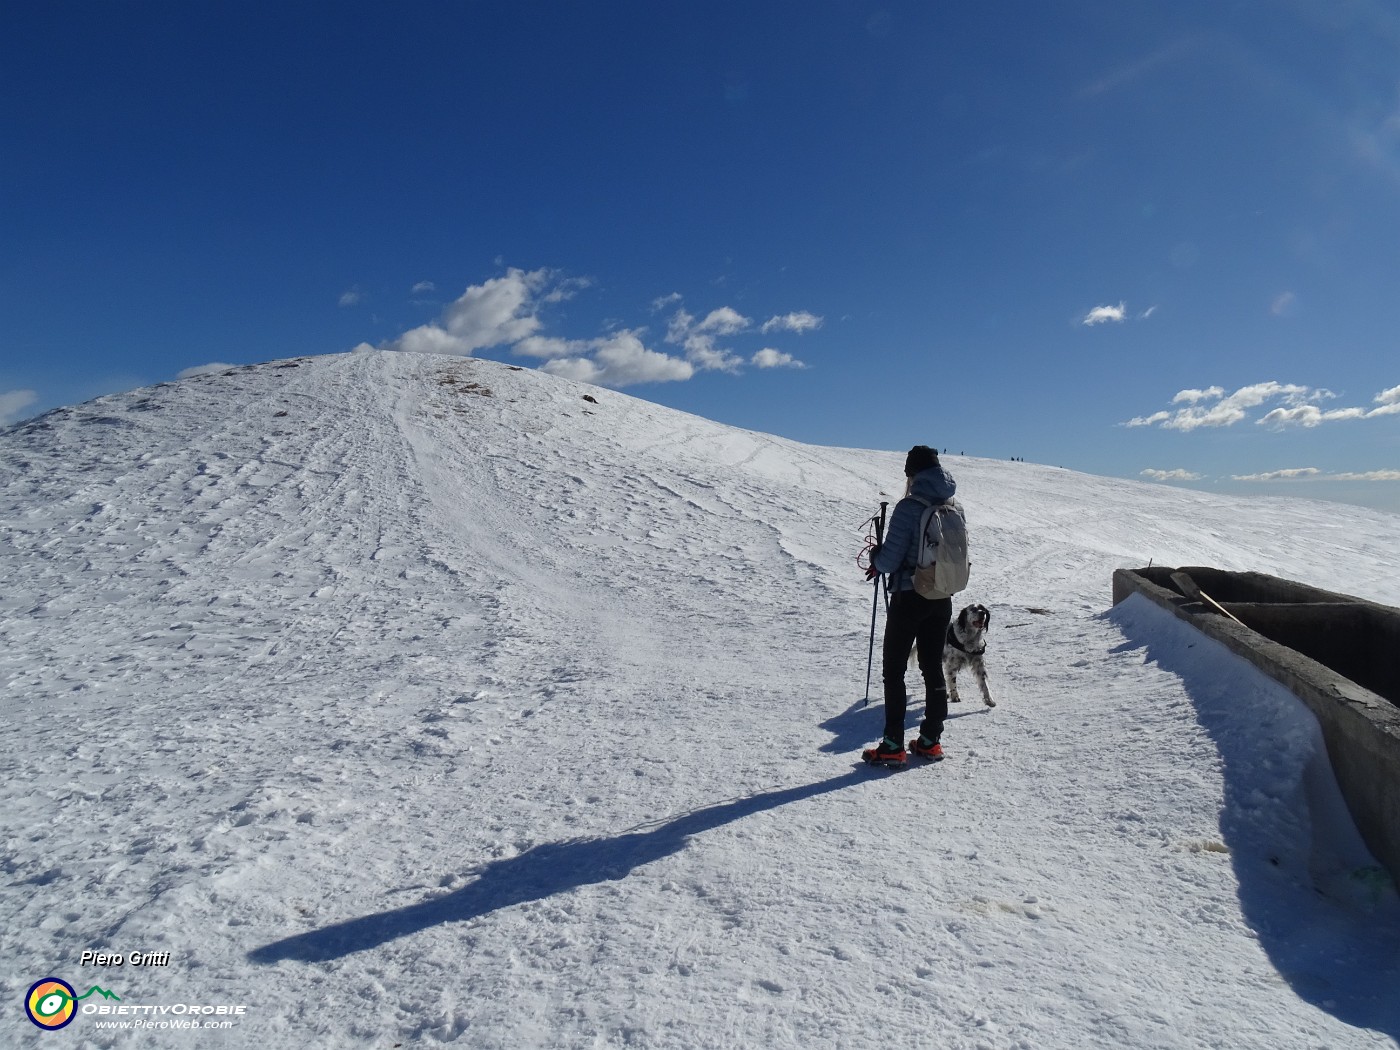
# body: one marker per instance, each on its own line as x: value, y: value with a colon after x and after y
x: 1148, y: 421
x: 1389, y: 402
x: 701, y: 351
x: 1310, y: 415
x: 423, y: 288
x: 770, y: 358
x: 1104, y: 314
x: 1295, y: 406
x: 1210, y: 408
x: 699, y: 339
x: 204, y: 370
x: 351, y: 297
x: 1314, y: 474
x: 1290, y: 474
x: 799, y: 322
x: 1118, y: 314
x: 1366, y: 475
x: 1134, y: 72
x: 552, y: 347
x: 566, y: 288
x: 13, y: 403
x: 1192, y: 396
x: 1171, y: 475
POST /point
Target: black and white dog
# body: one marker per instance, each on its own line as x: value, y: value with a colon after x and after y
x: 963, y: 648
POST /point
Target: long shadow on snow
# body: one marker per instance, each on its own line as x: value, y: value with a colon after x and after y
x: 1333, y: 936
x: 536, y: 874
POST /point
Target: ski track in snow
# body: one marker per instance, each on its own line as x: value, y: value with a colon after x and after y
x: 409, y: 700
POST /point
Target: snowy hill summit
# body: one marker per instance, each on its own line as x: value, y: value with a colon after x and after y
x: 410, y: 698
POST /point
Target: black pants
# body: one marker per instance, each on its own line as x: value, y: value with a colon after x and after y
x: 914, y: 618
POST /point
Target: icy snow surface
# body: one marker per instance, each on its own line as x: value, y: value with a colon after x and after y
x: 406, y: 699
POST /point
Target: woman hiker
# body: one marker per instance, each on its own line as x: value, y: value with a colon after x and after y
x: 912, y: 618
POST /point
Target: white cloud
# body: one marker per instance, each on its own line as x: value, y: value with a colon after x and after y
x: 1313, y: 474
x: 770, y: 358
x: 1147, y: 421
x: 579, y: 369
x: 1101, y: 314
x: 566, y: 289
x: 1292, y: 473
x: 1147, y: 313
x: 499, y: 311
x: 621, y: 360
x: 1171, y: 475
x: 1128, y: 75
x: 702, y: 352
x: 423, y: 288
x: 724, y: 321
x: 699, y: 339
x: 1234, y: 408
x: 1389, y: 400
x: 1309, y: 416
x: 1283, y: 304
x: 204, y: 370
x: 430, y: 339
x: 1208, y: 394
x: 351, y: 297
x: 550, y: 347
x: 679, y: 326
x: 1210, y: 408
x: 801, y: 321
x: 505, y: 311
x: 1369, y: 475
x: 13, y: 402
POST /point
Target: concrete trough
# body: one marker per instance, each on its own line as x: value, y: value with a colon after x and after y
x: 1339, y: 654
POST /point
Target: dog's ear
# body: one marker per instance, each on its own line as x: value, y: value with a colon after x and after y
x: 987, y: 613
x: 962, y: 619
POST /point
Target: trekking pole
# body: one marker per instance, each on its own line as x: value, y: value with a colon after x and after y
x: 875, y: 604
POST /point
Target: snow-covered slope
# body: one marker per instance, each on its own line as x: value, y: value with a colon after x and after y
x: 405, y: 699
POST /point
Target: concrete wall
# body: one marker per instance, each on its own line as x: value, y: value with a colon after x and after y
x: 1358, y: 641
x: 1339, y: 654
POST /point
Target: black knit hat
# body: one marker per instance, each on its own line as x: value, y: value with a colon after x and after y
x: 920, y: 457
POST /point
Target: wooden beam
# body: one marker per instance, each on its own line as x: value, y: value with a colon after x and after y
x: 1188, y: 587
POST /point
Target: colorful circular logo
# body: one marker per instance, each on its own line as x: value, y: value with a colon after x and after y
x: 50, y: 1003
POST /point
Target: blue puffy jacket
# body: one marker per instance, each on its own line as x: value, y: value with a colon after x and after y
x: 899, y: 554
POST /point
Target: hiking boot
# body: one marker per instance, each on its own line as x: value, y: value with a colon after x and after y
x: 924, y: 748
x: 885, y: 753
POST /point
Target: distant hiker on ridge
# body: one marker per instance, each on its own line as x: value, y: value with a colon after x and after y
x: 912, y: 617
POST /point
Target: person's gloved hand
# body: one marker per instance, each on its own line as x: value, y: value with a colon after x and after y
x: 872, y: 572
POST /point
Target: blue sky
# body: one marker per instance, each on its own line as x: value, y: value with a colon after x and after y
x: 1112, y: 236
